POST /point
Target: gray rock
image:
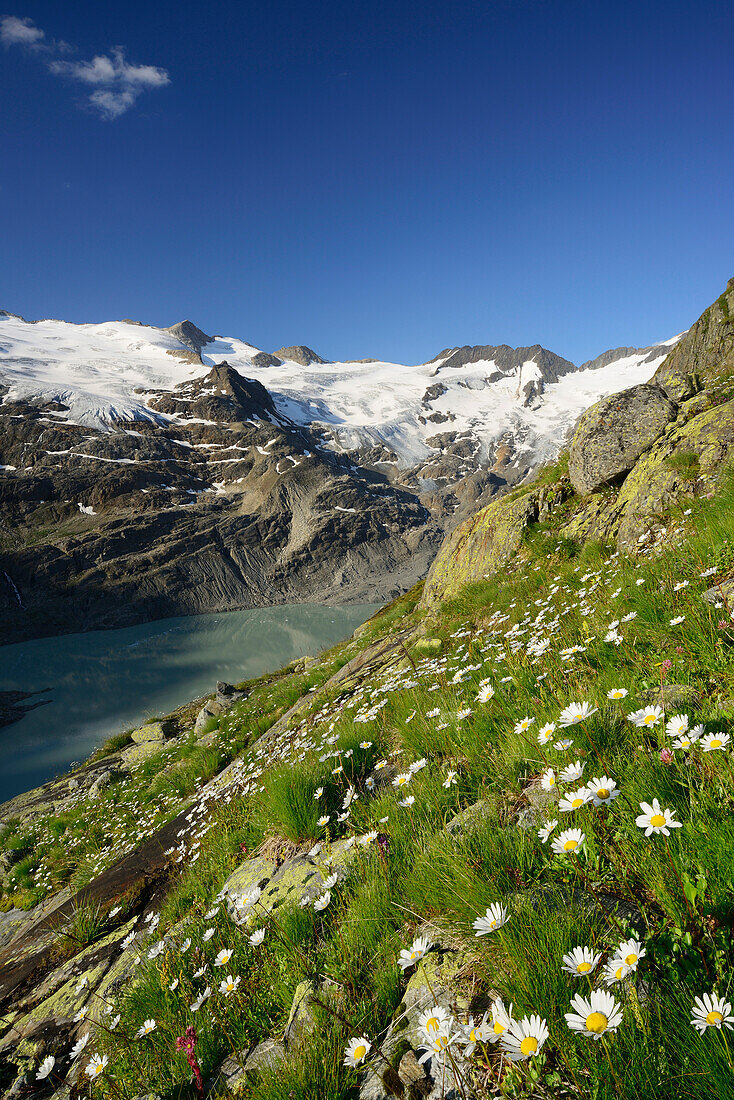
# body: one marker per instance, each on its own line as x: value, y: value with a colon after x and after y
x: 266, y: 1055
x: 299, y: 353
x: 611, y: 435
x: 673, y: 697
x: 152, y: 731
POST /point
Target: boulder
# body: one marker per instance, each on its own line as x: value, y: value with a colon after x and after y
x: 151, y: 731
x: 704, y: 358
x: 611, y: 436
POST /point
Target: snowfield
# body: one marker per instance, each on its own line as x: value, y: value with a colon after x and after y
x: 103, y: 372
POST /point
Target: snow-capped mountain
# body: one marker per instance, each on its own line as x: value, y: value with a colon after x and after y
x: 105, y: 374
x: 150, y: 471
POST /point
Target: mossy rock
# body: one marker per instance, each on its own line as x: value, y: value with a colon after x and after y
x: 479, y: 547
x: 704, y: 358
x: 151, y: 731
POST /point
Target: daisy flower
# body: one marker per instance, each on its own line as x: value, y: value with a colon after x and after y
x: 548, y: 780
x: 435, y: 1021
x: 617, y: 693
x: 545, y: 733
x: 524, y: 1038
x: 436, y: 1046
x: 356, y: 1051
x: 568, y: 841
x: 711, y: 1011
x: 595, y: 1014
x: 407, y: 801
x: 79, y: 1046
x: 322, y: 901
x: 257, y: 937
x: 208, y: 934
x: 485, y: 694
x: 475, y: 1033
x: 45, y: 1067
x: 450, y: 779
x: 318, y: 792
x: 602, y: 789
x: 561, y: 746
x: 575, y: 713
x: 148, y: 1026
x: 630, y: 952
x: 572, y: 772
x: 614, y: 971
x: 229, y: 984
x: 677, y: 725
x: 501, y: 1019
x: 414, y: 953
x: 223, y: 957
x: 523, y: 725
x: 96, y: 1065
x: 493, y: 919
x: 648, y: 716
x: 655, y: 820
x: 402, y: 779
x: 574, y: 800
x: 677, y: 620
x: 545, y: 830
x: 580, y: 961
x: 713, y: 741
x: 324, y: 820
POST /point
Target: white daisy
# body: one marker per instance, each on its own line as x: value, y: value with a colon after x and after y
x: 414, y: 953
x: 356, y: 1051
x: 602, y: 789
x: 493, y: 919
x: 524, y: 1038
x: 653, y: 819
x: 581, y: 961
x: 595, y: 1014
x: 545, y: 830
x: 568, y: 841
x: 575, y: 713
x: 711, y: 1011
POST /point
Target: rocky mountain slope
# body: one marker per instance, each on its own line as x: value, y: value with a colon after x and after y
x: 432, y: 829
x: 152, y: 472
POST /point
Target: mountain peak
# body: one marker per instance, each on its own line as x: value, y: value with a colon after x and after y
x: 190, y: 335
x: 299, y: 353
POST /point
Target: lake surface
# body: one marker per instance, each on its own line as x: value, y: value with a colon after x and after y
x: 107, y: 681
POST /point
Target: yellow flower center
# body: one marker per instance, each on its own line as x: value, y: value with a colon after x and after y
x: 716, y: 743
x: 714, y: 1018
x: 657, y: 820
x: 230, y: 986
x: 98, y: 1069
x: 498, y: 1027
x: 618, y: 974
x: 551, y: 780
x: 597, y: 1022
x: 473, y: 1035
x: 578, y: 717
x: 570, y: 845
x: 432, y: 1024
x: 529, y: 1045
x: 442, y: 1041
x: 577, y: 802
x: 603, y: 792
x: 402, y: 780
x: 583, y: 968
x: 649, y: 719
x: 359, y: 1052
x: 631, y: 959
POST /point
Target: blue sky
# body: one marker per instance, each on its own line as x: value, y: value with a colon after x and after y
x: 370, y: 178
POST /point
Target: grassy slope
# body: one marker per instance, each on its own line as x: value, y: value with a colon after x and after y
x: 675, y: 894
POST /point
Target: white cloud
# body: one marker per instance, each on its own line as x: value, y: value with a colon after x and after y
x: 116, y: 83
x: 20, y: 32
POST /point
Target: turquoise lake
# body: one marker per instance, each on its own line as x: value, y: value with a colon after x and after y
x: 106, y: 681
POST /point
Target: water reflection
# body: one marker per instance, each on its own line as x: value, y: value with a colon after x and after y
x: 109, y: 680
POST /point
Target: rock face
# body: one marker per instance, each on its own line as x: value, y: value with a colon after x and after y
x: 484, y: 543
x: 612, y: 435
x: 705, y: 355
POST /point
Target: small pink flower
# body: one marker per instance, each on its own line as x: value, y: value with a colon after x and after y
x: 666, y: 755
x: 666, y: 666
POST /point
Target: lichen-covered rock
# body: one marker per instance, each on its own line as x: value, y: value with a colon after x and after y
x: 660, y: 477
x: 151, y: 731
x: 611, y: 435
x: 704, y: 358
x: 478, y: 547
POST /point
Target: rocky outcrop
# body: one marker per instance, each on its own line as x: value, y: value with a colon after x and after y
x: 704, y: 358
x: 484, y: 543
x: 190, y: 336
x: 299, y: 353
x: 612, y: 435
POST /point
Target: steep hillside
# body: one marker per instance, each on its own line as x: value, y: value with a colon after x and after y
x: 484, y: 848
